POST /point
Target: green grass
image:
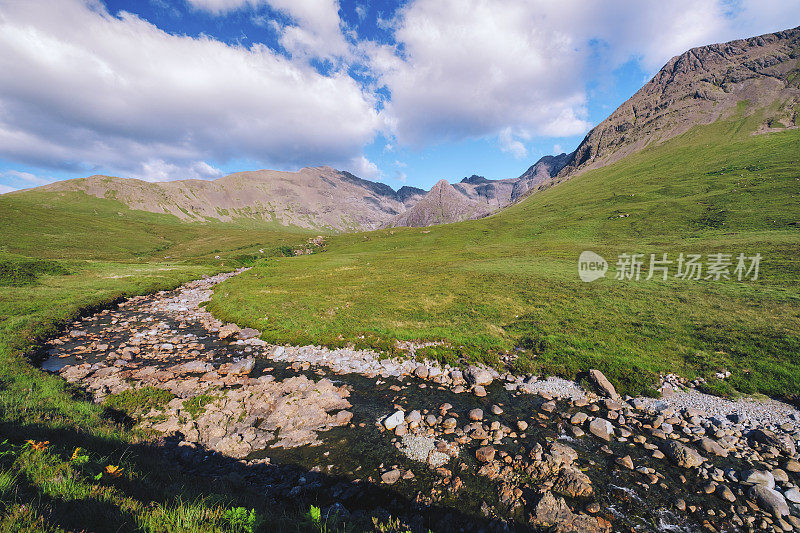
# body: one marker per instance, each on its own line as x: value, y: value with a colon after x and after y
x: 509, y: 284
x: 137, y: 402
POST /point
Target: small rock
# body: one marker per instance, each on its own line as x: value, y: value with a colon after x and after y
x: 391, y: 476
x: 476, y: 415
x: 485, y: 454
x: 601, y: 428
x: 394, y: 420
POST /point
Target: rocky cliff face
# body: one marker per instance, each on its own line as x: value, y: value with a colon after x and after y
x: 540, y: 172
x: 442, y: 205
x: 701, y: 86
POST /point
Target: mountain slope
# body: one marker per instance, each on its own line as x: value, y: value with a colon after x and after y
x: 701, y: 86
x: 442, y: 205
x: 321, y: 198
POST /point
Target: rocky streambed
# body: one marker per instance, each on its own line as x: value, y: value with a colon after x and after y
x: 442, y: 448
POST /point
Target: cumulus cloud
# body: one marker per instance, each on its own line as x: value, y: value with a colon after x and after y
x: 473, y: 68
x: 80, y: 85
x: 363, y: 168
x: 509, y: 144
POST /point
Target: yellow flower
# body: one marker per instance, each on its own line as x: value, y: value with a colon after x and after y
x: 76, y: 453
x: 114, y: 471
x: 39, y: 445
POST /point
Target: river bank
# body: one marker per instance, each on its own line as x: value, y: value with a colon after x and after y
x: 364, y: 432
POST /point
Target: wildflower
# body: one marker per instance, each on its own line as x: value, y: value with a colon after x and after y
x: 113, y: 471
x: 39, y: 446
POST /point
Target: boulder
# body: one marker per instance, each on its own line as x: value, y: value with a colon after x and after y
x: 758, y: 477
x: 485, y: 454
x: 243, y: 367
x: 421, y: 371
x: 476, y: 414
x: 601, y: 428
x: 603, y: 384
x: 682, y: 455
x: 553, y: 514
x: 713, y: 447
x: 228, y: 330
x: 390, y: 477
x: 769, y: 500
x: 782, y: 442
x: 478, y: 376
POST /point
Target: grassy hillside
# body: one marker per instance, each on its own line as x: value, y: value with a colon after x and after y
x: 509, y: 283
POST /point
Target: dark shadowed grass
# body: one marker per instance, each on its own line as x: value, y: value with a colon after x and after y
x: 508, y: 284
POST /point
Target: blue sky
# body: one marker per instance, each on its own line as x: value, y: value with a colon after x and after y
x: 402, y: 92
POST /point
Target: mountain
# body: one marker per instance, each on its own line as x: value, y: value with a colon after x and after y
x: 498, y: 194
x: 703, y: 85
x: 309, y: 198
x: 442, y: 205
x: 541, y: 171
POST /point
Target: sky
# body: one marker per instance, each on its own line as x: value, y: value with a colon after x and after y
x: 406, y: 93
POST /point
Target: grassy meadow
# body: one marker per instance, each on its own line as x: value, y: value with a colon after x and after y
x: 67, y: 464
x: 508, y: 284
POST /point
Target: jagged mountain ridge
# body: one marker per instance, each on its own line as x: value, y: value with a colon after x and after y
x: 442, y: 205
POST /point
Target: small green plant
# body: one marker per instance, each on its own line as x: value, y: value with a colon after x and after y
x: 240, y: 520
x: 196, y: 405
x: 135, y: 402
x: 314, y: 514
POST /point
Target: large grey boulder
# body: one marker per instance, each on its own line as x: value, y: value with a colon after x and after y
x: 478, y: 376
x: 769, y: 500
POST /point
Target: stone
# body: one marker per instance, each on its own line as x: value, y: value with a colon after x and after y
x: 601, y: 428
x: 479, y: 391
x: 625, y: 462
x: 243, y: 367
x: 782, y: 442
x: 390, y: 477
x: 414, y: 417
x: 578, y: 418
x: 553, y: 514
x: 485, y: 454
x: 769, y: 500
x: 228, y: 330
x: 476, y: 415
x: 573, y: 483
x: 682, y: 455
x: 793, y: 495
x: 478, y: 376
x: 548, y: 407
x: 394, y: 420
x: 449, y: 423
x: 248, y: 333
x: 792, y: 465
x: 496, y: 410
x: 603, y: 384
x: 725, y: 493
x: 194, y: 367
x: 758, y: 477
x: 713, y: 447
x: 421, y: 371
x: 522, y: 425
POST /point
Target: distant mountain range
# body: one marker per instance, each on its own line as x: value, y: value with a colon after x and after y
x: 757, y: 76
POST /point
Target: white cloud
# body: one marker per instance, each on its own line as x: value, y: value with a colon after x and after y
x: 509, y: 144
x: 80, y: 85
x: 5, y: 188
x: 363, y: 168
x: 400, y: 176
x: 316, y: 30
